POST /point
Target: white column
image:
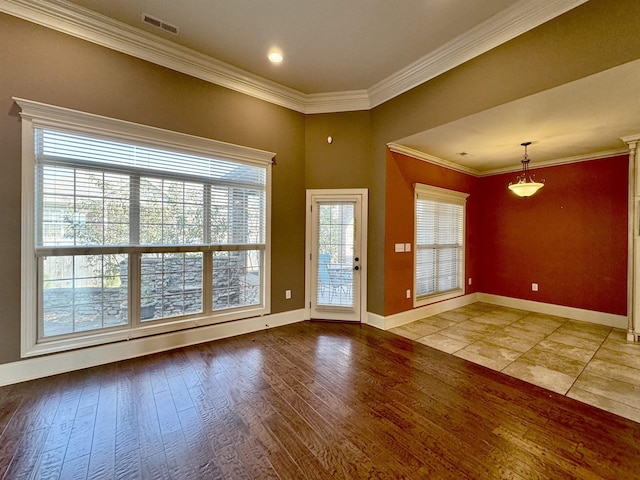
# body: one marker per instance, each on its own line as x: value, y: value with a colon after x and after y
x: 633, y: 274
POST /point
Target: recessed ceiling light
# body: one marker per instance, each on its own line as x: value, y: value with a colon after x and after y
x: 275, y: 56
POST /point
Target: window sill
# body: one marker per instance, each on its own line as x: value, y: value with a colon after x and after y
x: 45, y: 347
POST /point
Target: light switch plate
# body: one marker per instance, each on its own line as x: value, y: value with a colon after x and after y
x: 399, y: 247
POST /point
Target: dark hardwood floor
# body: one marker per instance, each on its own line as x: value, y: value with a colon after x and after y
x: 307, y: 401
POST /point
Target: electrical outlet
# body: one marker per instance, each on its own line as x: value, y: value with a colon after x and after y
x: 408, y: 293
x: 469, y: 280
x: 534, y: 287
x: 287, y: 294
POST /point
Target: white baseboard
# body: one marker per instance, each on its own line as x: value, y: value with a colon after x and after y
x: 402, y: 318
x: 591, y: 316
x: 392, y: 321
x: 375, y: 320
x: 32, y: 368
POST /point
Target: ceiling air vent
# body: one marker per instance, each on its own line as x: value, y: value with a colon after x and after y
x: 156, y: 22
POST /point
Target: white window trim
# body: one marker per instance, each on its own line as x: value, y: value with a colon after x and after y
x: 448, y: 196
x: 39, y: 115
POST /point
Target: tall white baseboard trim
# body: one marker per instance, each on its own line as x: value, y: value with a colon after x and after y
x: 392, y: 321
x: 591, y: 316
x: 54, y: 364
x: 398, y: 319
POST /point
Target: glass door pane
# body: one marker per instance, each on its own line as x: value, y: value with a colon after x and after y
x: 335, y: 270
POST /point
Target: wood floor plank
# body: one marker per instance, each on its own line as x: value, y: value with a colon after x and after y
x: 311, y: 400
x: 103, y: 447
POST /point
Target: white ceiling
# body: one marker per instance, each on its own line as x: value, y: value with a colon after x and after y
x: 583, y: 119
x: 355, y: 54
x: 328, y: 45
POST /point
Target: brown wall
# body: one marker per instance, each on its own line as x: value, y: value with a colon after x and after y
x: 344, y: 163
x: 50, y: 67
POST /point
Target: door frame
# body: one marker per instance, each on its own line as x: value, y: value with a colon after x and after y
x: 363, y: 193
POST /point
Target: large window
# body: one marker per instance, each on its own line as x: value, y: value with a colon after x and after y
x: 439, y: 244
x: 130, y: 230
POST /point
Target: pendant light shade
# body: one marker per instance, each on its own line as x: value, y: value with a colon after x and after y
x: 525, y: 186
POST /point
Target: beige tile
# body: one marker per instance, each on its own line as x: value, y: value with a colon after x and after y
x: 614, y: 371
x: 462, y: 335
x: 484, y: 306
x: 574, y: 353
x: 612, y: 389
x: 519, y: 332
x: 419, y: 328
x: 544, y: 358
x: 438, y: 321
x: 442, y: 343
x: 615, y: 356
x: 586, y: 331
x: 473, y: 326
x: 604, y: 403
x: 618, y: 334
x: 511, y: 341
x: 545, y: 350
x: 510, y: 314
x: 474, y: 309
x: 538, y: 375
x: 587, y: 327
x: 573, y: 341
x: 493, y: 351
x: 488, y: 319
x: 491, y: 363
x: 404, y: 333
x: 532, y: 325
x: 548, y: 321
x: 622, y: 346
x: 455, y: 316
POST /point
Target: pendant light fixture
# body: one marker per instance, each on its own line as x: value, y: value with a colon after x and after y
x: 525, y: 186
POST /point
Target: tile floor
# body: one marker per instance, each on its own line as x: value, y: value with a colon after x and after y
x: 591, y: 363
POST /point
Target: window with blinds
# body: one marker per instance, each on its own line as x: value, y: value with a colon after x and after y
x: 133, y: 235
x: 439, y: 243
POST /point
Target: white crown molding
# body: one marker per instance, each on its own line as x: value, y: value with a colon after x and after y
x: 631, y: 139
x: 559, y: 161
x: 506, y: 25
x: 335, y: 102
x: 425, y: 157
x: 79, y: 22
x: 82, y: 23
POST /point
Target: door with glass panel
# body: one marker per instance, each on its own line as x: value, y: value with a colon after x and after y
x: 336, y: 278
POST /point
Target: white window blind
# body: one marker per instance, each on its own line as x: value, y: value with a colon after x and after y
x: 92, y: 191
x: 439, y: 241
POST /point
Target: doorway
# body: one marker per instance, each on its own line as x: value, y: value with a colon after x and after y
x: 336, y: 273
